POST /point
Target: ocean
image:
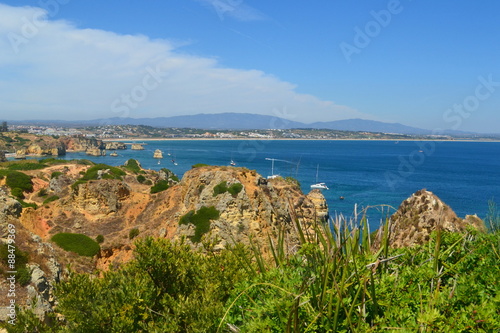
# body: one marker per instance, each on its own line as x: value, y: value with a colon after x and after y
x: 465, y: 175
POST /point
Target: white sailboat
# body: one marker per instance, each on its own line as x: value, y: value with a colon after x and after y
x: 272, y: 176
x: 319, y: 186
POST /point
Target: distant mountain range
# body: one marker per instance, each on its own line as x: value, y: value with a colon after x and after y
x: 246, y: 121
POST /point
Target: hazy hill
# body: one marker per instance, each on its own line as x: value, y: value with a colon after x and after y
x: 246, y: 121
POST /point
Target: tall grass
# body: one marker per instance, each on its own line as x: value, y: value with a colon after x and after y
x: 340, y: 281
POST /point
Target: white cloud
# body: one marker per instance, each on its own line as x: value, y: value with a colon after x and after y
x: 51, y: 69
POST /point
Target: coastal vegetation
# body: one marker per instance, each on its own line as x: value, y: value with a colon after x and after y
x: 160, y: 186
x: 222, y: 187
x: 18, y: 182
x: 335, y: 282
x: 201, y: 220
x: 77, y: 243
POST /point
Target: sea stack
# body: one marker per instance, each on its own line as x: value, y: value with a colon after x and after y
x: 137, y: 146
x: 422, y: 213
x: 158, y: 154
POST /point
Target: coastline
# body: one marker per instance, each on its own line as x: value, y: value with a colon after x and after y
x: 138, y: 140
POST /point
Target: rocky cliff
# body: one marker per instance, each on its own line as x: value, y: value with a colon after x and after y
x: 42, y: 150
x: 114, y: 145
x: 81, y: 144
x: 422, y: 213
x: 35, y: 259
x: 113, y: 207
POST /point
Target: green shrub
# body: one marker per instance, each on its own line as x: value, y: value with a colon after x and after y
x: 50, y: 199
x: 132, y: 165
x: 170, y: 174
x: 84, y: 162
x: 23, y: 275
x: 292, y: 181
x: 26, y: 204
x: 198, y: 165
x: 19, y: 180
x: 133, y: 233
x: 42, y: 192
x: 161, y: 185
x: 114, y: 172
x: 21, y: 257
x: 26, y: 166
x: 77, y: 243
x: 141, y: 179
x: 220, y: 188
x: 201, y: 221
x: 55, y: 174
x: 17, y: 192
x: 52, y: 161
x: 235, y: 188
x: 99, y: 239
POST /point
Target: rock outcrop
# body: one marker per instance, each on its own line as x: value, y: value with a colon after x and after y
x: 158, y: 154
x: 137, y: 146
x: 37, y: 150
x: 256, y: 211
x: 422, y: 213
x: 320, y: 204
x: 95, y: 152
x: 10, y: 210
x: 82, y: 144
x: 115, y: 145
x: 101, y: 197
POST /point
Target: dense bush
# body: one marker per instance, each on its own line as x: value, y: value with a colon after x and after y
x: 23, y: 275
x: 160, y: 186
x: 15, y: 179
x: 235, y: 188
x: 141, y: 179
x: 132, y: 165
x: 28, y: 204
x: 26, y: 166
x: 55, y: 174
x: 78, y: 243
x: 99, y: 239
x: 18, y: 193
x: 222, y: 187
x: 198, y: 165
x: 335, y: 282
x: 201, y: 220
x: 50, y: 199
x: 133, y: 233
x: 93, y: 173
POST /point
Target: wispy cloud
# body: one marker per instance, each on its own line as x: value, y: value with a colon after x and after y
x: 66, y: 72
x: 235, y: 9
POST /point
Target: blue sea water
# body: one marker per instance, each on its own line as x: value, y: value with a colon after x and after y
x: 465, y: 175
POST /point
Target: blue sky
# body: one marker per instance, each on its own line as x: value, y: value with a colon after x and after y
x: 421, y: 63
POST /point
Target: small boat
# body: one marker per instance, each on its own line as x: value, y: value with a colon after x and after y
x: 341, y: 198
x: 174, y: 162
x: 113, y: 154
x: 319, y: 186
x: 232, y: 163
x: 272, y: 176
